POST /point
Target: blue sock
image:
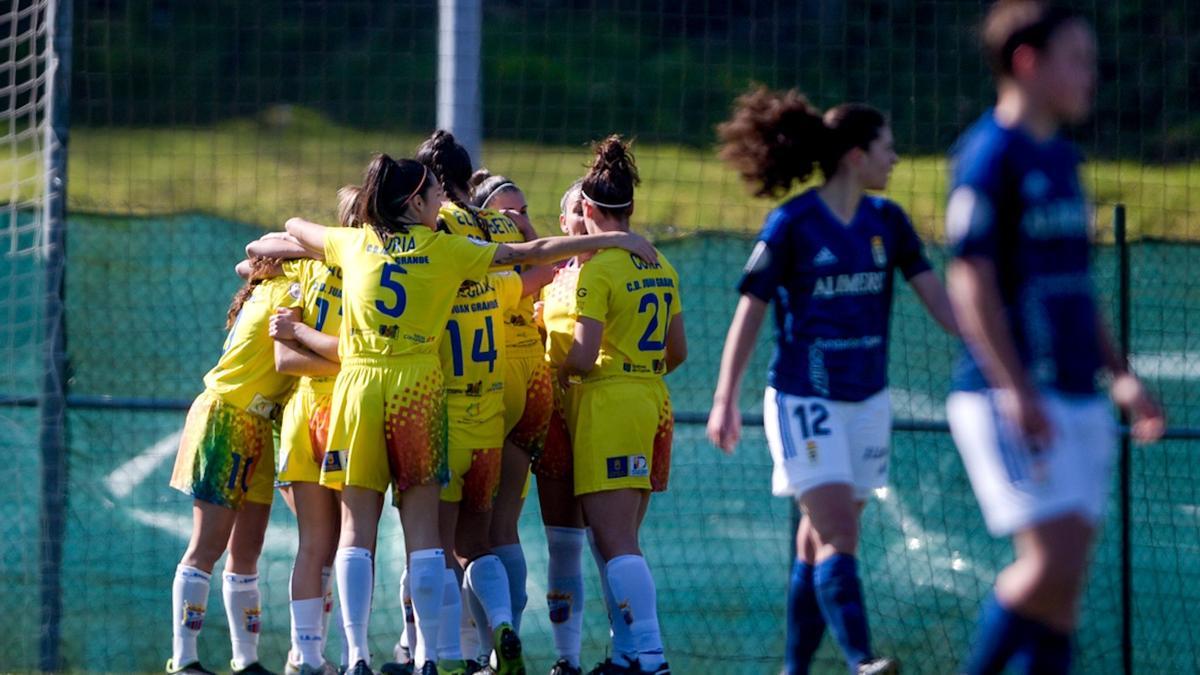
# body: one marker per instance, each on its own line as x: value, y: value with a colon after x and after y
x: 839, y: 595
x: 1001, y: 633
x: 1049, y: 650
x: 805, y: 625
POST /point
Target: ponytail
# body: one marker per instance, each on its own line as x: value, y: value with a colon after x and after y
x: 261, y: 269
x: 383, y: 200
x: 776, y: 139
x: 451, y: 164
x: 610, y: 181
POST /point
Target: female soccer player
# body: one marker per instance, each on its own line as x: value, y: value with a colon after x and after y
x: 628, y: 334
x: 226, y: 463
x: 400, y: 279
x: 561, y: 514
x: 826, y: 260
x: 306, y: 342
x: 496, y: 211
x: 1036, y: 438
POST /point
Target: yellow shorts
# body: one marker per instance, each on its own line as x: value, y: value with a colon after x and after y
x: 474, y: 478
x: 226, y: 455
x: 555, y: 460
x: 387, y: 425
x: 528, y: 401
x: 621, y: 434
x: 303, y: 437
x: 475, y: 421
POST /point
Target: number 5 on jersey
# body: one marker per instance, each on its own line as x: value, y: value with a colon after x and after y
x: 387, y: 280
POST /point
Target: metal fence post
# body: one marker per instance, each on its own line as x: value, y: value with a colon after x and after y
x: 460, y: 30
x: 1123, y: 326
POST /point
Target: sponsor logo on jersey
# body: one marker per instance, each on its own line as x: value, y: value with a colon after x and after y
x: 1060, y: 219
x: 559, y: 603
x: 878, y: 252
x: 193, y: 616
x: 333, y: 461
x: 294, y: 291
x: 824, y: 258
x: 859, y: 283
x: 618, y: 467
x: 639, y: 466
x: 760, y: 258
x: 253, y: 617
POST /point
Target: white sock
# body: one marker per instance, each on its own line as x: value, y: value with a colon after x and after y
x: 243, y: 608
x: 326, y: 605
x: 449, y: 644
x: 513, y: 558
x: 355, y: 581
x: 426, y: 578
x: 403, y: 652
x: 637, y: 602
x: 489, y: 581
x: 476, y: 638
x: 189, y: 599
x: 306, y: 630
x: 623, y: 650
x: 564, y: 592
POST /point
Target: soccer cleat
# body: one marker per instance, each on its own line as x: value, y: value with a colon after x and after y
x: 879, y: 667
x: 506, y: 651
x: 394, y: 668
x: 255, y: 668
x: 452, y: 667
x: 562, y: 667
x: 360, y: 668
x: 193, y: 668
x: 607, y: 667
x: 430, y: 668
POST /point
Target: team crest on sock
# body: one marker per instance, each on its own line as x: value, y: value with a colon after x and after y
x: 626, y: 612
x: 193, y: 616
x: 559, y: 603
x: 253, y: 616
x: 409, y: 616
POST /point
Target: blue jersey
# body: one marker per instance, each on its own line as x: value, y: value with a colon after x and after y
x: 831, y: 286
x: 1017, y: 202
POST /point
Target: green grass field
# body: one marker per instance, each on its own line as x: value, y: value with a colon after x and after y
x: 289, y: 162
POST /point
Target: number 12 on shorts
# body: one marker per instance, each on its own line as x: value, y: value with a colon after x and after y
x: 810, y: 421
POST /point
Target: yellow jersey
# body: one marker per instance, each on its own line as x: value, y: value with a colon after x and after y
x: 245, y: 375
x: 398, y: 296
x: 473, y: 350
x: 558, y: 314
x: 320, y: 305
x: 521, y: 336
x: 635, y: 300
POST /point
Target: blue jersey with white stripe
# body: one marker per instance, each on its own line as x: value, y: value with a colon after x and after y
x: 1017, y: 202
x: 831, y: 286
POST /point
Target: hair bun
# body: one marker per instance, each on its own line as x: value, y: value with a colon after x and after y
x: 479, y: 177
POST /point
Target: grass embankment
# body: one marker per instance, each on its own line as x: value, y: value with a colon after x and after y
x: 259, y: 172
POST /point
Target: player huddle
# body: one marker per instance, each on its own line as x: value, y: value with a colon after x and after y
x: 405, y: 350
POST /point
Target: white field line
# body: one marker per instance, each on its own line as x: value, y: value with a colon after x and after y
x: 1170, y: 365
x: 122, y: 480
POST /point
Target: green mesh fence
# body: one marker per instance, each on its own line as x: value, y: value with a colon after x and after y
x: 194, y: 124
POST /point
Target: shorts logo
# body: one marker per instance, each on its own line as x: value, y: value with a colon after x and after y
x: 559, y: 603
x: 811, y: 446
x: 253, y: 620
x: 638, y: 466
x: 333, y: 461
x: 878, y: 252
x: 618, y: 467
x: 193, y: 616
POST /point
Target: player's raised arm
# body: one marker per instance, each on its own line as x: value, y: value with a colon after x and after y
x: 308, y: 235
x: 725, y: 419
x: 553, y: 249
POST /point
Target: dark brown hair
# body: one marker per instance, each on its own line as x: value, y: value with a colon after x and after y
x: 485, y: 185
x: 775, y: 139
x: 451, y: 163
x: 611, y: 178
x: 1010, y: 24
x: 382, y: 200
x: 261, y: 269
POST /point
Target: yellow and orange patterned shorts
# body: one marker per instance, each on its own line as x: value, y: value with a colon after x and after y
x: 528, y: 402
x: 303, y: 437
x: 387, y: 424
x: 474, y: 478
x: 226, y: 454
x: 555, y: 461
x: 621, y: 432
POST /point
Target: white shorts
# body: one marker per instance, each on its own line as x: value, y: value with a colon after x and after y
x: 815, y: 441
x: 1017, y: 488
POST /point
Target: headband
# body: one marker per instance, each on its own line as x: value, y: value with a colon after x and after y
x: 424, y: 175
x: 495, y: 192
x: 607, y: 206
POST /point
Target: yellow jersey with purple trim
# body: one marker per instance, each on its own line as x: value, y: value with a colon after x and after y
x: 320, y: 305
x: 558, y: 314
x: 635, y: 300
x: 473, y: 352
x: 245, y: 375
x: 398, y: 295
x: 521, y: 336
